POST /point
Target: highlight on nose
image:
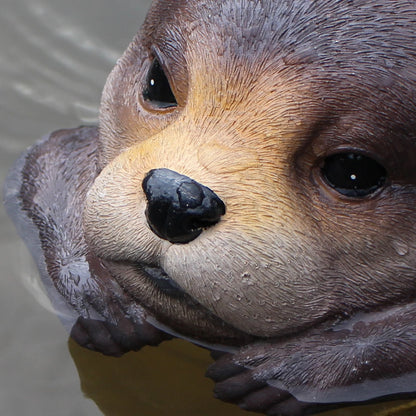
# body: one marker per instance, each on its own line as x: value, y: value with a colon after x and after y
x: 179, y: 208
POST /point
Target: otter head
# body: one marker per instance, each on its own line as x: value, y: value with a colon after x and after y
x: 258, y: 164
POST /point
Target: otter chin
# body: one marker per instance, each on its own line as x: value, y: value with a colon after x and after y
x: 251, y: 187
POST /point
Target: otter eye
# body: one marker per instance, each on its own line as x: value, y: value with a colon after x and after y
x: 157, y: 89
x: 353, y: 174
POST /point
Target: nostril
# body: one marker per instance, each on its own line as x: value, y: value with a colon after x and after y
x: 179, y: 208
x: 190, y: 194
x: 203, y: 206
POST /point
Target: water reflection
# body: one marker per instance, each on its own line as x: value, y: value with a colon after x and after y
x: 155, y: 381
x: 168, y: 380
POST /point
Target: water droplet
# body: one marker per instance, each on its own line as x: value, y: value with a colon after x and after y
x: 247, y: 279
x: 216, y: 297
x: 401, y: 248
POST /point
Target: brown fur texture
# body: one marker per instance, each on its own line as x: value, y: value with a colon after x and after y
x: 317, y: 285
x: 265, y: 92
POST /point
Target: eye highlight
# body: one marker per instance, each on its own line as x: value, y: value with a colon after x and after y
x: 353, y: 174
x: 157, y: 90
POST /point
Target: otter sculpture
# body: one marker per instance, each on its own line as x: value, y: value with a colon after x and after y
x: 252, y: 188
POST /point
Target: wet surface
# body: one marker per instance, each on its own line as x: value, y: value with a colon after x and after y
x: 54, y: 59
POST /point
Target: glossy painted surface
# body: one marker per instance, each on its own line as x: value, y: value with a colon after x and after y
x: 54, y: 58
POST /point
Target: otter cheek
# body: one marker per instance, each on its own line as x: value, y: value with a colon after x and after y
x: 114, y: 215
x: 252, y: 281
x: 224, y: 275
x: 227, y: 160
x: 212, y: 286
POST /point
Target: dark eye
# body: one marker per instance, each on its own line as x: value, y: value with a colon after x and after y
x: 157, y: 90
x: 353, y: 174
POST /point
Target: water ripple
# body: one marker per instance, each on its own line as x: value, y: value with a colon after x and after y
x: 51, y: 61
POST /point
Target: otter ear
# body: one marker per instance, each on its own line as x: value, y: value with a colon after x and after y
x: 368, y: 357
x: 44, y: 195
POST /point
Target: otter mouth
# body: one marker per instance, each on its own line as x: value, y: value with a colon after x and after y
x: 162, y: 281
x: 192, y: 320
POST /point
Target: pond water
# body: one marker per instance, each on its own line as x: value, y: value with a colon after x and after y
x: 54, y: 59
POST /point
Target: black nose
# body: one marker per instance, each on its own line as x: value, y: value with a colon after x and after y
x: 179, y: 208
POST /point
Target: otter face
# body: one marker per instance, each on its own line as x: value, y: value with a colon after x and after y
x: 258, y: 163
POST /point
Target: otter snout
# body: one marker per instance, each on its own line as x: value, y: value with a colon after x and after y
x: 179, y: 208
